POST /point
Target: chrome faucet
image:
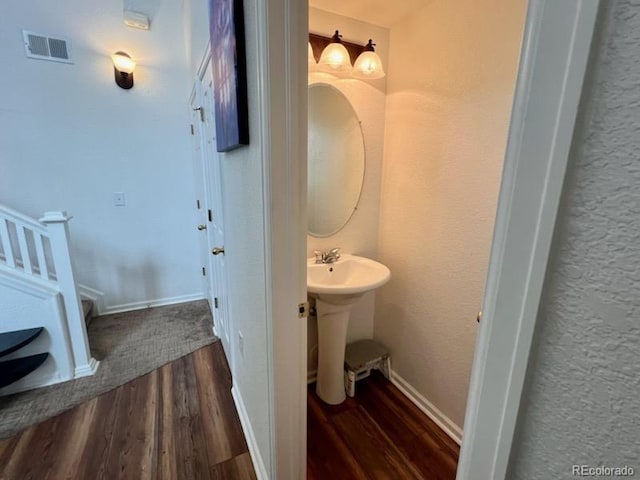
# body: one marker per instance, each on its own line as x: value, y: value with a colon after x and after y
x: 330, y: 256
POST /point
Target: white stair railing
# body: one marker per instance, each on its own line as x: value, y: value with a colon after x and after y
x: 40, y: 250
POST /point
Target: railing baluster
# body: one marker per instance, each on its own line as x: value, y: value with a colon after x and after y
x: 42, y: 260
x: 24, y: 249
x: 6, y: 244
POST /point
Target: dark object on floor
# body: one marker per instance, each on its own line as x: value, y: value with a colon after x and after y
x: 360, y: 359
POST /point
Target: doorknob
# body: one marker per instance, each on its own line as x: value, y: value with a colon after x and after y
x: 479, y: 317
x: 202, y: 227
x: 217, y: 250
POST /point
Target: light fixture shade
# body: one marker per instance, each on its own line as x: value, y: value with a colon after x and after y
x: 335, y: 57
x: 123, y: 62
x: 368, y: 64
x: 311, y: 59
x: 123, y: 67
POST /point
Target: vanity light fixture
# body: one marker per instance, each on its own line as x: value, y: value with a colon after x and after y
x: 311, y: 59
x: 123, y: 67
x: 338, y: 56
x: 335, y: 57
x: 368, y: 64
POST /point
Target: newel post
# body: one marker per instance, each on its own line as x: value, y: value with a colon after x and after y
x: 58, y: 232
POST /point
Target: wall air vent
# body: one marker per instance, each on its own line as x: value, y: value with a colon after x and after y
x: 42, y: 47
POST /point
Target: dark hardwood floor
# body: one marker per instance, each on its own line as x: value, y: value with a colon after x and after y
x: 379, y: 434
x: 176, y: 423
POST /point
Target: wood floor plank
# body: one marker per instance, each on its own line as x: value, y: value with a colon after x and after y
x: 133, y: 431
x: 328, y: 455
x: 77, y: 425
x: 191, y: 465
x: 44, y: 446
x: 370, y: 446
x: 381, y: 432
x: 167, y: 456
x: 428, y: 456
x: 94, y: 457
x: 155, y: 427
x: 18, y: 459
x: 237, y: 468
x: 219, y: 417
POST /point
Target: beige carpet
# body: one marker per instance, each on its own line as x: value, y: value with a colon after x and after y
x: 128, y: 345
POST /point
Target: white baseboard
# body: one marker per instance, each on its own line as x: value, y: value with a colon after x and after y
x: 127, y: 307
x: 96, y: 296
x: 312, y: 376
x: 256, y: 458
x: 86, y: 370
x: 429, y: 409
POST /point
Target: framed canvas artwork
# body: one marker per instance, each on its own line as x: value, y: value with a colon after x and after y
x: 226, y: 27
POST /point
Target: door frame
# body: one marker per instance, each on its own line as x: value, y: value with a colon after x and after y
x: 556, y: 45
x: 555, y: 50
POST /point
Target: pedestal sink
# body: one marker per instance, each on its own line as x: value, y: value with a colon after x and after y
x: 336, y: 287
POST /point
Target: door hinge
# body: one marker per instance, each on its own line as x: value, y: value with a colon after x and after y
x: 210, y: 214
x: 204, y: 272
x: 201, y: 110
x: 215, y: 302
x: 303, y: 309
x: 193, y: 130
x: 198, y: 204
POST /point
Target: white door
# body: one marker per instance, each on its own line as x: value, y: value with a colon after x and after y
x: 215, y: 220
x: 200, y: 203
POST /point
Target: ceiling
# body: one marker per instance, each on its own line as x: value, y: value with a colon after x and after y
x: 378, y: 12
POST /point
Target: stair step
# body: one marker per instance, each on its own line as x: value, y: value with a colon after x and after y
x: 87, y: 308
x: 13, y: 370
x: 12, y: 341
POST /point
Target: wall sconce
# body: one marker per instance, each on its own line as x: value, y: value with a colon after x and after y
x: 337, y: 56
x: 123, y: 67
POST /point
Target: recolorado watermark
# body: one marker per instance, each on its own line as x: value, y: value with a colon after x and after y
x: 602, y: 471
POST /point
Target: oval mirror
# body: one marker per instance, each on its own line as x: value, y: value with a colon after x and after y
x: 335, y: 155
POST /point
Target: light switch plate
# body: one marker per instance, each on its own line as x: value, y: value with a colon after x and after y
x: 118, y: 199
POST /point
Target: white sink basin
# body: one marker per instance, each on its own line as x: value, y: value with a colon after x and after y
x: 336, y: 287
x: 349, y: 275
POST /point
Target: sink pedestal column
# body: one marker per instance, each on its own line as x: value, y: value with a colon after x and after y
x: 333, y: 320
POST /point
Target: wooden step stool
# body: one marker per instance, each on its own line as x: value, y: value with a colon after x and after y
x: 360, y: 358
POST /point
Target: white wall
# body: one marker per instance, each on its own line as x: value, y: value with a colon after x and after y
x: 359, y: 235
x: 581, y: 403
x: 242, y: 190
x: 451, y: 77
x: 69, y: 138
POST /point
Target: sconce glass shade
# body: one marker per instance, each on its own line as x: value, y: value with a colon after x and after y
x: 123, y: 62
x: 335, y: 57
x: 311, y: 59
x: 368, y: 65
x: 123, y: 67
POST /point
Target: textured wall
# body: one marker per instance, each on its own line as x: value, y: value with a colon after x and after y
x: 69, y: 138
x: 450, y: 85
x: 359, y: 235
x: 582, y: 399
